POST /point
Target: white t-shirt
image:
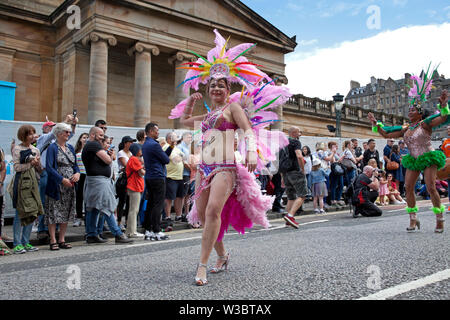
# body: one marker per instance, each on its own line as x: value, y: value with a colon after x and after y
x: 123, y: 154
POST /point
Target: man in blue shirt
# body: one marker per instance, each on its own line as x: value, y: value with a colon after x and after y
x: 155, y: 160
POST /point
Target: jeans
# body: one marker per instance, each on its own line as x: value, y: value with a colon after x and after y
x: 349, y: 176
x: 142, y: 207
x: 42, y: 185
x: 336, y: 186
x: 95, y: 220
x: 21, y: 234
x: 448, y: 181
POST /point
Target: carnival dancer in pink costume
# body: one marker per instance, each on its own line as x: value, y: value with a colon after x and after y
x: 226, y: 193
x: 422, y: 157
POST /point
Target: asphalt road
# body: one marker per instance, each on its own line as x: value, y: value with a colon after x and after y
x: 331, y: 257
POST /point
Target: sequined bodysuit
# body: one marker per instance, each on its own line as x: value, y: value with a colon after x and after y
x: 418, y: 141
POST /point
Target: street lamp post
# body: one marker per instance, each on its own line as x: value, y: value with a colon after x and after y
x: 338, y: 104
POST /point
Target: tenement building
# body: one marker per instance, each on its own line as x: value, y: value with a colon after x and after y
x: 117, y: 59
x: 391, y: 96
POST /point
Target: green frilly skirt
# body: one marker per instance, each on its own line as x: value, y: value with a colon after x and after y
x: 424, y: 161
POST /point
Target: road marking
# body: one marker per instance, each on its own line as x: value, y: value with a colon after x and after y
x: 229, y: 234
x: 316, y: 221
x: 408, y: 286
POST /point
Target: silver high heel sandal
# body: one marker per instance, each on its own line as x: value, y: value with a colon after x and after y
x: 201, y: 281
x: 226, y: 259
x: 440, y: 230
x: 409, y: 229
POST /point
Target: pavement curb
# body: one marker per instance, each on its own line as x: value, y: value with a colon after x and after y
x: 76, y: 234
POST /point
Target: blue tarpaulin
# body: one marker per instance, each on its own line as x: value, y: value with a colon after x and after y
x: 7, y: 96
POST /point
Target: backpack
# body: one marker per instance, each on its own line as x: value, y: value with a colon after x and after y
x: 121, y: 183
x: 337, y: 168
x: 285, y: 162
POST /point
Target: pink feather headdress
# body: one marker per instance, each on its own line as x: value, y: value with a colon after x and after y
x: 223, y: 63
x: 421, y: 88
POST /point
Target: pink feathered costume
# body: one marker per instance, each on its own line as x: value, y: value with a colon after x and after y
x: 246, y: 204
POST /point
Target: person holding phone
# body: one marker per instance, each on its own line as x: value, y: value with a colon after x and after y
x: 63, y: 173
x: 42, y: 143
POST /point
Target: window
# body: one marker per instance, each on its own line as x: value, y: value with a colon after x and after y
x: 399, y: 99
x: 393, y: 99
x: 381, y: 100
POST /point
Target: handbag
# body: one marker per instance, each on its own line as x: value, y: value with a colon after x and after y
x: 392, y: 165
x: 348, y: 164
x: 337, y: 168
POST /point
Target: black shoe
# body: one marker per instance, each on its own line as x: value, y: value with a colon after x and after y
x: 95, y: 239
x: 184, y: 218
x: 123, y: 239
x: 102, y: 237
x: 178, y: 219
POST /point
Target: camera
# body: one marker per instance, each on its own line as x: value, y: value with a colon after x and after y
x: 30, y: 157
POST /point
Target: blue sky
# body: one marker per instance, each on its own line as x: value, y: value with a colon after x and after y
x: 325, y: 25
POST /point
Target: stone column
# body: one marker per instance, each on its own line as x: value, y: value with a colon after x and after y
x: 98, y: 74
x: 143, y: 81
x: 279, y: 111
x: 180, y: 74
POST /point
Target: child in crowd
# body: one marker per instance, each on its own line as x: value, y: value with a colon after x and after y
x: 384, y: 191
x: 394, y: 194
x: 317, y: 181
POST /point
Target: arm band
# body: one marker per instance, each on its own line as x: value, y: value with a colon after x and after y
x: 250, y: 144
x: 375, y: 127
x: 444, y: 110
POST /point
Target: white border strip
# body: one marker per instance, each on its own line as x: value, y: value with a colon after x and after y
x: 408, y: 286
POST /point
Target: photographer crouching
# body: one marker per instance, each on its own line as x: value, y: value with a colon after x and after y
x: 366, y: 192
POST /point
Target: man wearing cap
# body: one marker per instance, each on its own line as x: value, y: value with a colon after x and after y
x: 363, y: 197
x: 43, y: 142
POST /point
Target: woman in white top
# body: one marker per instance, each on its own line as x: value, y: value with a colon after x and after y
x: 336, y: 180
x: 122, y: 160
x: 349, y: 162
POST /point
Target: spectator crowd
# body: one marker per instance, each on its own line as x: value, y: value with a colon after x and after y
x: 56, y: 183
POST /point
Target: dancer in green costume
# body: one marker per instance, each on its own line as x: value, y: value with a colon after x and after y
x: 422, y: 157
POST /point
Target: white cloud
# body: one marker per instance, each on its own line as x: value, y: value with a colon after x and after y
x: 305, y: 43
x: 324, y: 72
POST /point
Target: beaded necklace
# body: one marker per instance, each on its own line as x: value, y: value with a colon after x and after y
x: 415, y: 125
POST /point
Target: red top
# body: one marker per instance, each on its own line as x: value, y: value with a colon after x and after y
x: 446, y: 147
x: 134, y: 181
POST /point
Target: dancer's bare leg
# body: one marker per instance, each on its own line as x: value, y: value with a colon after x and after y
x: 219, y: 191
x: 410, y: 183
x: 200, y: 204
x: 430, y: 181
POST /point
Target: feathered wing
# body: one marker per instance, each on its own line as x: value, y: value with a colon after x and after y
x: 258, y: 104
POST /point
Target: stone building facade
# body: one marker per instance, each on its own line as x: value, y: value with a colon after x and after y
x: 391, y: 96
x: 120, y: 63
